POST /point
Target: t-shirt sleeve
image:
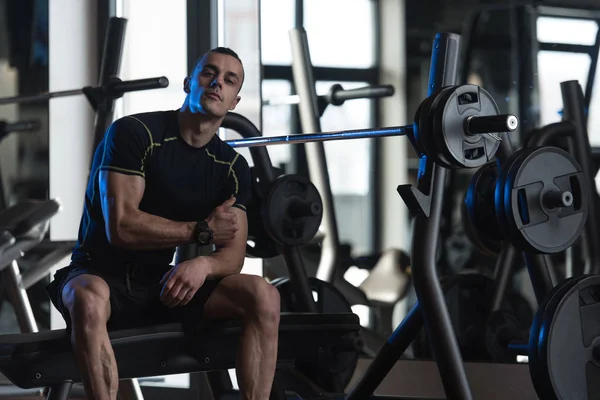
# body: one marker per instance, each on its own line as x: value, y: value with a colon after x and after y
x: 240, y: 181
x: 127, y: 143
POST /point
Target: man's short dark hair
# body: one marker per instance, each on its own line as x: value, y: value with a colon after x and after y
x: 220, y: 50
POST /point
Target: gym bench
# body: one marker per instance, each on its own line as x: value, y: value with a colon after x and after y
x: 45, y: 359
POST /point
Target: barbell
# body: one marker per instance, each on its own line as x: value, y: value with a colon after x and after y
x: 114, y: 88
x: 458, y: 131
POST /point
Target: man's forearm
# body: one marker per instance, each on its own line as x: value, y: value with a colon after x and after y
x: 223, y: 262
x: 143, y: 231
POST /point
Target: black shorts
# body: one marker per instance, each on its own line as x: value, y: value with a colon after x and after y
x: 134, y: 294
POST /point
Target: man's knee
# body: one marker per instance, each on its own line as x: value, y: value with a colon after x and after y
x: 266, y: 302
x: 86, y: 297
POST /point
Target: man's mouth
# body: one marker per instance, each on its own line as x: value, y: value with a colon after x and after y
x: 213, y: 96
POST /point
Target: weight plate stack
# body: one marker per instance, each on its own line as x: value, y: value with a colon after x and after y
x: 565, y: 342
x: 455, y: 148
x: 335, y: 366
x: 541, y: 200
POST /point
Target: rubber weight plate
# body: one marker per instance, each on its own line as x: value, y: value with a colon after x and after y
x: 568, y: 362
x: 428, y: 140
x: 468, y: 298
x: 505, y: 169
x: 544, y: 200
x: 336, y: 366
x: 293, y: 210
x: 536, y: 328
x: 259, y: 244
x: 479, y: 215
x: 459, y: 148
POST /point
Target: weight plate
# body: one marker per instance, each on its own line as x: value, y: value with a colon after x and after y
x: 533, y: 185
x: 536, y: 325
x: 424, y: 129
x: 428, y: 137
x: 567, y: 365
x: 437, y: 113
x: 479, y: 215
x: 505, y: 169
x: 293, y: 210
x: 259, y: 244
x: 414, y: 136
x: 468, y: 298
x: 336, y: 367
x: 460, y: 149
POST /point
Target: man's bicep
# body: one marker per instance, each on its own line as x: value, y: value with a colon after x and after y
x: 121, y: 195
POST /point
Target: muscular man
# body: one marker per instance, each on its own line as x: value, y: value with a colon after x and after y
x: 160, y: 180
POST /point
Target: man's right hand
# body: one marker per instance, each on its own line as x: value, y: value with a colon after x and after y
x: 223, y: 222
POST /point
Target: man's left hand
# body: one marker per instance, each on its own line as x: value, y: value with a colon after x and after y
x: 182, y: 282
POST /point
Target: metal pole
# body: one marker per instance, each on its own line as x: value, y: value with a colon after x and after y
x: 443, y: 72
x: 111, y: 63
x: 574, y: 112
x: 18, y: 298
x: 320, y: 137
x: 308, y: 108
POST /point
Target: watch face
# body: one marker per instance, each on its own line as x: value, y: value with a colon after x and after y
x: 204, y: 237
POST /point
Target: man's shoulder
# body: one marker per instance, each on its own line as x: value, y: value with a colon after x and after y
x: 149, y: 118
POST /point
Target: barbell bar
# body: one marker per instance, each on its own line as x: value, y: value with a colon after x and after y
x: 473, y: 125
x: 115, y: 88
x: 337, y: 95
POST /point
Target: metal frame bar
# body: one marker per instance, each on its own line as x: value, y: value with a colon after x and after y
x: 430, y: 308
x: 281, y: 72
x: 574, y: 112
x: 308, y: 107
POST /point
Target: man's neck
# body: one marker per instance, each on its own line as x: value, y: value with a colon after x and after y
x: 197, y: 129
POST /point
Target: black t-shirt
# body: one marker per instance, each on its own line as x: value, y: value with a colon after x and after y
x: 182, y: 182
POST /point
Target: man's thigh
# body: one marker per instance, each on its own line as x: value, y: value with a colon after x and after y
x: 237, y: 295
x: 129, y: 298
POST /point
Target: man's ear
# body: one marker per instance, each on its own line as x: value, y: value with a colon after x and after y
x: 186, y: 84
x: 235, y: 103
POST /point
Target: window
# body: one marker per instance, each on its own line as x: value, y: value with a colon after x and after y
x: 155, y: 45
x: 341, y: 35
x: 277, y: 18
x: 348, y: 160
x: 566, y: 30
x: 554, y: 68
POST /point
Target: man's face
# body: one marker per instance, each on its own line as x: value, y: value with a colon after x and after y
x: 214, y: 87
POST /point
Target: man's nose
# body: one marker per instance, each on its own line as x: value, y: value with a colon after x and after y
x: 215, y: 82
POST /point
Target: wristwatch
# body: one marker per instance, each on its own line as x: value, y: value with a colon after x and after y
x: 202, y: 233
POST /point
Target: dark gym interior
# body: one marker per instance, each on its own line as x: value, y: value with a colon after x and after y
x: 422, y: 179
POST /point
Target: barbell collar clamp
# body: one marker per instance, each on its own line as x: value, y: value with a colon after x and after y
x: 491, y: 124
x: 557, y: 199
